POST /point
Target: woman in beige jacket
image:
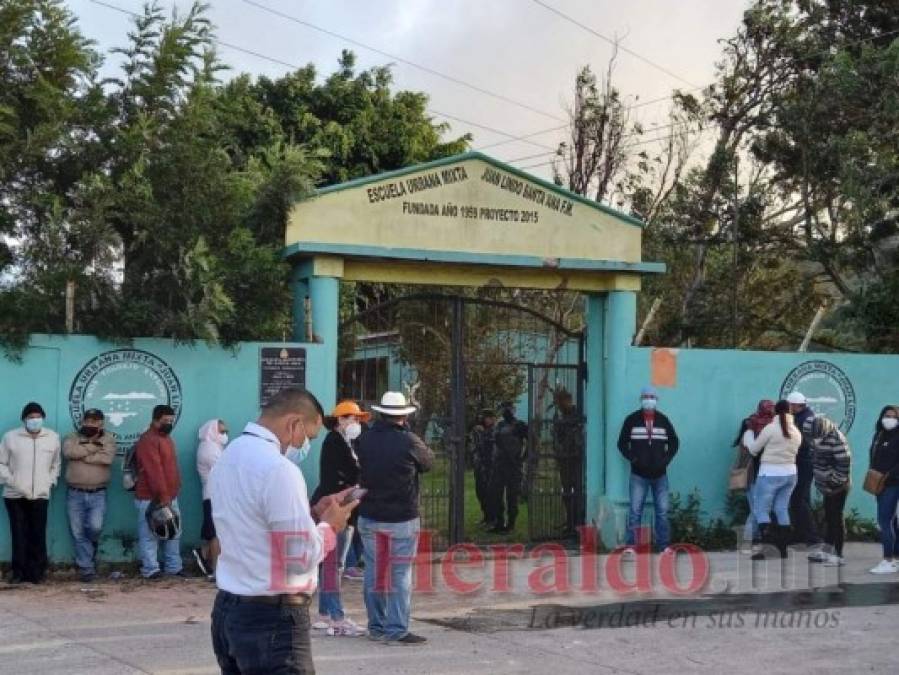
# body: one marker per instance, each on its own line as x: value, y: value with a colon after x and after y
x: 29, y: 468
x: 778, y: 443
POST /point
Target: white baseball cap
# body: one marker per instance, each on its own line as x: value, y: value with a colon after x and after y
x: 796, y: 398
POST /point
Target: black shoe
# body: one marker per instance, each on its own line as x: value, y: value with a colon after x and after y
x: 498, y: 529
x: 181, y: 574
x: 15, y: 580
x: 87, y: 577
x: 409, y: 640
x: 154, y: 576
x: 201, y: 561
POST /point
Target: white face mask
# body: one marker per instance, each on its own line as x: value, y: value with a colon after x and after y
x: 297, y: 455
x: 353, y: 431
x: 649, y: 403
x: 889, y: 423
x: 223, y: 440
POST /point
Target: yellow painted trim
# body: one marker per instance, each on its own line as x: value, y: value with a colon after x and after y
x: 461, y: 275
x: 327, y: 266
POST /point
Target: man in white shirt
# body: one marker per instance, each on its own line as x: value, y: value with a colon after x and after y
x: 271, y: 545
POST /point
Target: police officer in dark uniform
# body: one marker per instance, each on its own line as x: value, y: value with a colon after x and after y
x: 482, y: 444
x: 568, y: 448
x: 505, y: 484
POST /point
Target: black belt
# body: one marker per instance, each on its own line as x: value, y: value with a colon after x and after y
x: 77, y: 489
x: 292, y: 599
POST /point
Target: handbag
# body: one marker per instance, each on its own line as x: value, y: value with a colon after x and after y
x: 875, y: 481
x: 739, y: 472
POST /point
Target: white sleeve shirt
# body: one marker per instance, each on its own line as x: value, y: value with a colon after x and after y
x: 260, y: 506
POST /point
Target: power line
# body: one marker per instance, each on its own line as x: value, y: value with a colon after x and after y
x: 612, y: 42
x: 400, y: 59
x: 627, y: 135
x: 294, y: 66
x: 624, y: 147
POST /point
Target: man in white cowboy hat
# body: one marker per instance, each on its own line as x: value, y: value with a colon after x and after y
x: 390, y: 459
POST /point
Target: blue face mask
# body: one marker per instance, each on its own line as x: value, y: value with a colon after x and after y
x: 297, y: 455
x: 34, y: 424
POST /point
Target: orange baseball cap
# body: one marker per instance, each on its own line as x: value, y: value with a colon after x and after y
x: 345, y: 408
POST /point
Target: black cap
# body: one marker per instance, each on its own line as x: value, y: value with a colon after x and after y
x: 93, y: 414
x: 32, y: 408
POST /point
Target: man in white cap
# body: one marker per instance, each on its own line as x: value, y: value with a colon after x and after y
x: 801, y: 499
x: 391, y: 458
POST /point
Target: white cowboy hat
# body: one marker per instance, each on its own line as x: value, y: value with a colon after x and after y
x: 393, y: 404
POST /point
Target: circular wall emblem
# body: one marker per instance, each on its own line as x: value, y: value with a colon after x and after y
x: 828, y: 390
x: 126, y: 384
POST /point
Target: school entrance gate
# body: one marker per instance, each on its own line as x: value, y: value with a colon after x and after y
x: 454, y: 355
x: 471, y: 222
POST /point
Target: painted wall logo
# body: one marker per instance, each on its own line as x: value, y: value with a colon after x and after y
x: 125, y: 384
x: 828, y: 390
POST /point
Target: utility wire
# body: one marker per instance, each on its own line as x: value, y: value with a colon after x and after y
x: 400, y: 59
x: 611, y: 41
x: 294, y: 66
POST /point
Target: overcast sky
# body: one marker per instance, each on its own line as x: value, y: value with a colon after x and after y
x: 517, y: 49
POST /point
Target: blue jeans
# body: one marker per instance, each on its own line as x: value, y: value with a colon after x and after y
x: 250, y: 638
x: 149, y: 544
x: 886, y: 519
x: 639, y: 488
x: 388, y: 582
x: 354, y: 555
x: 86, y: 513
x: 751, y: 529
x: 329, y: 572
x: 772, y: 493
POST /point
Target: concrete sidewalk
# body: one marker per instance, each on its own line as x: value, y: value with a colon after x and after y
x: 822, y: 623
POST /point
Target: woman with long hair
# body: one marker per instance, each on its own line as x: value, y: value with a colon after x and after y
x: 831, y: 458
x: 338, y: 470
x: 777, y: 446
x: 749, y: 430
x: 885, y: 459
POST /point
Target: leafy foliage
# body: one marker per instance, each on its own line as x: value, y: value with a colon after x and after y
x: 162, y: 193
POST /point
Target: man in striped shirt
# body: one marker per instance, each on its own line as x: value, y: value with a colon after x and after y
x: 648, y: 441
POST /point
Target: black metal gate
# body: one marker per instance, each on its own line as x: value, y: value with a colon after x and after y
x: 453, y: 355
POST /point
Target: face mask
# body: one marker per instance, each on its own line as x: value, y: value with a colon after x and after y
x: 166, y: 428
x: 353, y: 431
x: 297, y: 455
x: 223, y: 440
x: 508, y: 415
x: 34, y: 424
x: 649, y: 403
x: 889, y: 423
x: 89, y: 432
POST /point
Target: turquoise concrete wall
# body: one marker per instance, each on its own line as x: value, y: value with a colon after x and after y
x: 715, y: 390
x: 214, y: 383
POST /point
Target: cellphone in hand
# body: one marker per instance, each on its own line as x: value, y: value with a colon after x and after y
x: 357, y: 493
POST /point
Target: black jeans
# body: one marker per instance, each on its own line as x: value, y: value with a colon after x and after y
x: 801, y: 504
x: 505, y: 489
x: 482, y: 490
x: 28, y: 530
x: 257, y: 639
x: 833, y: 518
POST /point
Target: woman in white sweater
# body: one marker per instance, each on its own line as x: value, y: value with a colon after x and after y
x: 778, y: 444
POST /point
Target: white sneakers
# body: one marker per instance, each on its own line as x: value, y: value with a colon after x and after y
x: 833, y: 561
x: 346, y: 628
x: 819, y: 556
x: 343, y: 628
x: 885, y: 567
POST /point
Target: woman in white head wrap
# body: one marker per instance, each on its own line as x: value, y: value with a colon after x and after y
x: 213, y: 438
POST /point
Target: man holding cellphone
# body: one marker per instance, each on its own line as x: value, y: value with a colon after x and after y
x: 271, y: 544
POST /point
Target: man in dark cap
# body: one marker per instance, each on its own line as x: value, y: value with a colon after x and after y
x: 505, y: 484
x: 90, y: 452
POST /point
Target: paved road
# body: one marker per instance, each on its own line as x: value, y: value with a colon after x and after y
x: 847, y: 625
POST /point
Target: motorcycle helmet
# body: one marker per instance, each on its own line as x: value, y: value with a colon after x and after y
x: 164, y: 523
